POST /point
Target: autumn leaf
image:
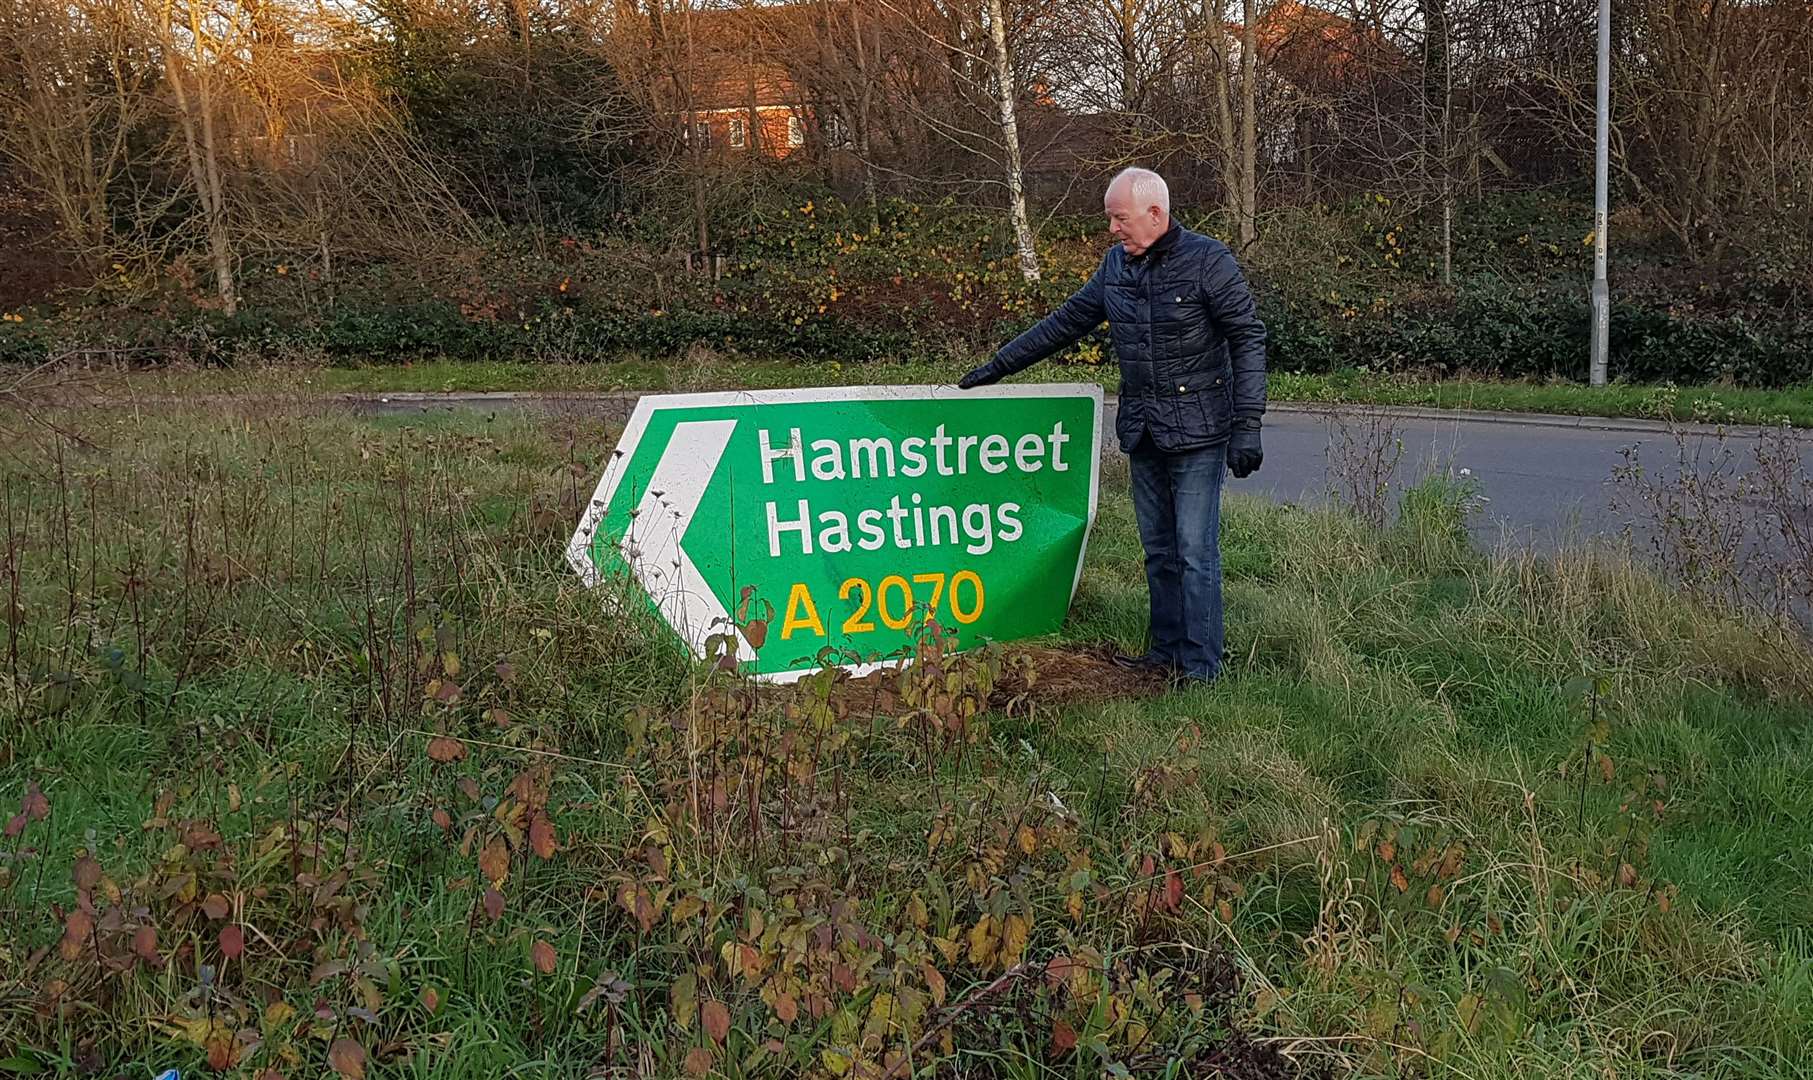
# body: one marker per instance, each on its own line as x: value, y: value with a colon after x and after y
x: 546, y: 960
x: 982, y: 942
x: 444, y: 750
x: 1028, y: 840
x: 222, y: 1051
x: 1014, y: 932
x: 1627, y: 875
x: 232, y: 941
x: 1398, y: 880
x: 78, y: 928
x: 786, y: 1008
x: 87, y: 873
x: 216, y: 906
x: 347, y: 1058
x: 431, y: 999
x: 1063, y: 1037
x: 442, y: 819
x: 756, y: 633
x: 716, y: 1019
x: 935, y: 983
x: 699, y: 1061
x: 1605, y: 768
x: 1434, y: 896
x: 541, y: 836
x: 494, y: 904
x: 34, y: 806
x: 494, y: 861
x: 636, y: 900
x: 1173, y: 890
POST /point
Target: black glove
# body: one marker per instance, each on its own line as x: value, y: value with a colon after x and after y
x: 986, y: 375
x: 1244, y: 452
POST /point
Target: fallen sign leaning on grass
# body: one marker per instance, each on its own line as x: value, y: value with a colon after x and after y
x: 784, y: 531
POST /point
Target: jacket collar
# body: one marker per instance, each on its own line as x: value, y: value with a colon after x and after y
x: 1160, y: 245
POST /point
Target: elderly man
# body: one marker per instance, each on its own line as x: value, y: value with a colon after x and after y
x: 1192, y: 357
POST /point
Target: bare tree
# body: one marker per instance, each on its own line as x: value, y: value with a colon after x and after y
x: 1005, y: 93
x: 75, y: 93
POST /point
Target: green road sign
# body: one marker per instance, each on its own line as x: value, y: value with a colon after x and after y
x: 830, y: 519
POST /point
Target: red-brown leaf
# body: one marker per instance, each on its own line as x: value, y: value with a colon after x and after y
x: 756, y: 632
x: 494, y: 861
x: 34, y: 806
x: 541, y: 836
x: 494, y: 904
x: 716, y: 1019
x: 347, y: 1058
x: 699, y: 1061
x: 232, y: 941
x: 78, y: 929
x: 1063, y: 1037
x: 144, y: 945
x: 87, y: 873
x: 443, y: 820
x: 546, y: 960
x: 216, y: 906
x: 444, y: 750
x: 221, y: 1052
x: 431, y: 999
x: 1173, y: 890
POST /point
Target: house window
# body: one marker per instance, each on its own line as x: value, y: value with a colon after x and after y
x: 837, y: 133
x: 702, y: 131
x: 738, y: 134
x: 796, y: 131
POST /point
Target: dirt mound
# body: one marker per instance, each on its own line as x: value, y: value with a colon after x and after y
x: 1033, y: 678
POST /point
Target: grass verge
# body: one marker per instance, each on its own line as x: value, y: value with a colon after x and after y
x: 711, y: 371
x: 323, y: 763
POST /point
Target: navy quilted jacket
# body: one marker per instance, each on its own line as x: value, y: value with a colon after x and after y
x: 1186, y: 331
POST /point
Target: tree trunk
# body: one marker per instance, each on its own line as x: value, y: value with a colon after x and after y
x: 1249, y: 125
x: 865, y: 96
x: 204, y: 160
x: 695, y: 145
x: 1010, y: 139
x: 1217, y: 34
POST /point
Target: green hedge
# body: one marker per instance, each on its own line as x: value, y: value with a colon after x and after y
x: 1518, y: 333
x: 1350, y: 286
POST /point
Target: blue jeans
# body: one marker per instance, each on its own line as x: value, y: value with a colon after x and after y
x: 1177, y: 499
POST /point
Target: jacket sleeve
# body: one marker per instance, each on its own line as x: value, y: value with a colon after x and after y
x: 1083, y: 312
x: 1236, y: 315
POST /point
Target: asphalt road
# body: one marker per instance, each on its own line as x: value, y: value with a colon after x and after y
x: 1546, y: 482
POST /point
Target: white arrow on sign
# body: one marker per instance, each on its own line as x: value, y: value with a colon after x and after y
x: 652, y: 544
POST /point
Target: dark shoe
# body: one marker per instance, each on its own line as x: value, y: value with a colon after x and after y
x: 1145, y: 662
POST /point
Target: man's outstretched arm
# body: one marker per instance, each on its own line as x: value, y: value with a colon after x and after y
x: 1083, y: 312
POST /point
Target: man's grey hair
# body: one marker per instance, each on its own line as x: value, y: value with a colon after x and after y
x: 1147, y: 188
